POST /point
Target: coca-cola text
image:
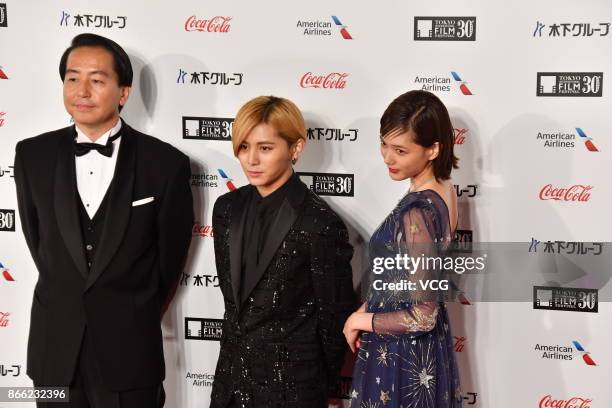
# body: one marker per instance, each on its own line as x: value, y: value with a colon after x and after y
x: 577, y: 192
x: 334, y: 80
x: 574, y: 402
x: 217, y: 24
x: 4, y: 319
x: 460, y: 136
x: 200, y: 230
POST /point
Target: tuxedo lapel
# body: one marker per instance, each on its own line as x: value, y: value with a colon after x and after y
x: 119, y: 206
x: 236, y: 232
x: 287, y: 215
x: 66, y: 202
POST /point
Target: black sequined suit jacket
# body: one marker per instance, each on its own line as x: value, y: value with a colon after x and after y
x: 283, y: 346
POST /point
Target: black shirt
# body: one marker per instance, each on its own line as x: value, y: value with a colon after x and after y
x: 260, y: 217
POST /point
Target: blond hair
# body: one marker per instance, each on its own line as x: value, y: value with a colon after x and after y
x: 280, y: 113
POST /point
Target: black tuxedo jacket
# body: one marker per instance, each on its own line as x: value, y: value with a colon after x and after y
x: 283, y: 346
x: 141, y: 251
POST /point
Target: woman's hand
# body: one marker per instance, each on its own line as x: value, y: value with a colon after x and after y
x: 357, y: 322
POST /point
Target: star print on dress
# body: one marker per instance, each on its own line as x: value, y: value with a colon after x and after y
x: 384, y: 397
x: 382, y: 355
x: 424, y: 378
x: 405, y: 365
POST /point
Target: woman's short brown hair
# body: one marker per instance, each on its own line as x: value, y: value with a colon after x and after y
x: 424, y: 114
x: 280, y: 113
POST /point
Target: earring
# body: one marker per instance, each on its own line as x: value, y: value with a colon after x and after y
x: 293, y: 161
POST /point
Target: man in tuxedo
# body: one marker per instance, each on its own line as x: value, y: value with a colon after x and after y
x: 107, y: 214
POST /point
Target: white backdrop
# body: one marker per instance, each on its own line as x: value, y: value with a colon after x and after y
x: 495, y: 49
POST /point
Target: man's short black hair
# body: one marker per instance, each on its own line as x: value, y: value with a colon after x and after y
x: 121, y: 61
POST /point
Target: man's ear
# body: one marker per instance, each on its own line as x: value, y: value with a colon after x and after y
x: 125, y: 94
x: 297, y: 149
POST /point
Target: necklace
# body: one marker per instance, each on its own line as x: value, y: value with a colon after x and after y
x: 410, y: 189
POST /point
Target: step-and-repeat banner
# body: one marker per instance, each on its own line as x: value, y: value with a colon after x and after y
x: 525, y: 83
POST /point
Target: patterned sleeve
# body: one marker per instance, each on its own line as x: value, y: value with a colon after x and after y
x: 417, y: 235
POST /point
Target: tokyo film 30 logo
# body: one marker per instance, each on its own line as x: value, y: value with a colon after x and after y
x: 570, y: 84
x: 445, y: 28
x: 3, y: 18
x: 7, y: 220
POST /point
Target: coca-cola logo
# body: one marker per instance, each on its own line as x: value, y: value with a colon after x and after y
x: 333, y: 80
x: 4, y: 319
x: 460, y: 136
x: 459, y: 344
x: 217, y: 24
x: 577, y: 192
x: 574, y: 402
x: 200, y: 230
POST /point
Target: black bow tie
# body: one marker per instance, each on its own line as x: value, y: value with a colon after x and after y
x: 81, y: 149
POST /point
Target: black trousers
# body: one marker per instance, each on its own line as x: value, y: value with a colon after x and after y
x: 87, y: 391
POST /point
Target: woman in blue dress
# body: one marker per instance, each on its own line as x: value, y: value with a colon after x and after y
x: 405, y: 353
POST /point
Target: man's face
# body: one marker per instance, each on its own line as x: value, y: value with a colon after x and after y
x: 92, y: 94
x: 266, y: 158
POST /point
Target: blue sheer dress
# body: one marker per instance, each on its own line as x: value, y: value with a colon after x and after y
x: 408, y: 361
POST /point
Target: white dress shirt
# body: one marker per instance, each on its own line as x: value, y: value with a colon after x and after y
x: 94, y: 171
